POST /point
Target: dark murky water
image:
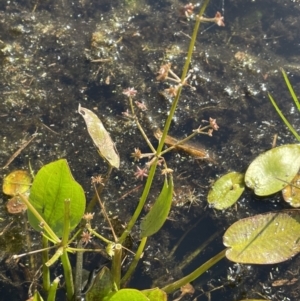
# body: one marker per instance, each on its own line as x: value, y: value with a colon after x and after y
x: 47, y: 50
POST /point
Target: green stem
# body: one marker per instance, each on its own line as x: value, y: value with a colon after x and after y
x: 116, y: 265
x: 141, y: 203
x: 293, y: 131
x: 53, y: 289
x: 66, y: 227
x: 68, y: 275
x: 98, y: 235
x: 195, y: 274
x: 46, y: 272
x: 46, y: 227
x: 183, y: 76
x: 135, y: 261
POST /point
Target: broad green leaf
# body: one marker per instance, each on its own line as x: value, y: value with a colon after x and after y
x: 52, y: 185
x: 127, y: 295
x: 226, y: 190
x: 291, y: 193
x: 155, y: 294
x: 265, y: 238
x: 100, y: 137
x: 16, y: 182
x: 101, y: 286
x: 271, y: 171
x: 158, y: 214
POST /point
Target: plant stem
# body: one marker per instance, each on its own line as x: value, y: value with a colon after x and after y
x: 46, y: 272
x: 53, y: 289
x: 135, y: 261
x: 195, y: 274
x: 116, y: 265
x: 166, y: 128
x: 68, y: 275
x: 46, y: 227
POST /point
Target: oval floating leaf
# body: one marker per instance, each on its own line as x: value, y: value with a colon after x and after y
x: 127, y: 294
x: 100, y: 137
x: 265, y: 238
x: 155, y: 294
x: 158, y: 214
x: 226, y: 190
x: 16, y: 182
x: 273, y: 170
x: 52, y: 185
x: 291, y: 193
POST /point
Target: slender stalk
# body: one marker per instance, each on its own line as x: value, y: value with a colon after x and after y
x: 195, y: 274
x: 135, y: 261
x: 98, y: 235
x: 141, y: 203
x: 140, y: 127
x: 166, y: 128
x: 94, y: 200
x: 292, y: 130
x: 116, y: 265
x: 53, y: 289
x: 78, y: 271
x: 66, y: 227
x: 46, y: 227
x: 183, y: 77
x: 68, y: 275
x: 291, y: 90
x: 45, y: 269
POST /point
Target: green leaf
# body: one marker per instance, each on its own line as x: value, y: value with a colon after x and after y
x: 271, y: 171
x: 101, y: 286
x: 226, y: 190
x: 16, y: 182
x: 127, y: 295
x: 291, y: 90
x: 100, y: 137
x: 291, y: 193
x: 52, y: 185
x: 158, y: 214
x: 265, y: 238
x: 37, y: 296
x: 155, y: 294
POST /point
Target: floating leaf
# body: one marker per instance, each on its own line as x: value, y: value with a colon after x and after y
x: 100, y: 137
x: 101, y: 286
x: 226, y: 190
x: 273, y: 170
x: 52, y: 185
x: 127, y: 295
x: 291, y: 193
x: 155, y: 294
x: 265, y: 238
x: 15, y: 205
x: 158, y: 214
x: 16, y: 182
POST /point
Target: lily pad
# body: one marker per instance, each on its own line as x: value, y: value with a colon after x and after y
x: 158, y: 214
x: 291, y: 193
x: 155, y: 294
x: 265, y: 238
x: 226, y: 190
x: 16, y: 182
x: 100, y: 137
x: 271, y: 171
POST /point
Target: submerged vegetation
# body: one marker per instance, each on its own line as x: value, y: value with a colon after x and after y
x: 115, y: 240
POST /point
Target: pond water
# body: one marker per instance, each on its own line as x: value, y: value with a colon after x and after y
x: 59, y: 53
